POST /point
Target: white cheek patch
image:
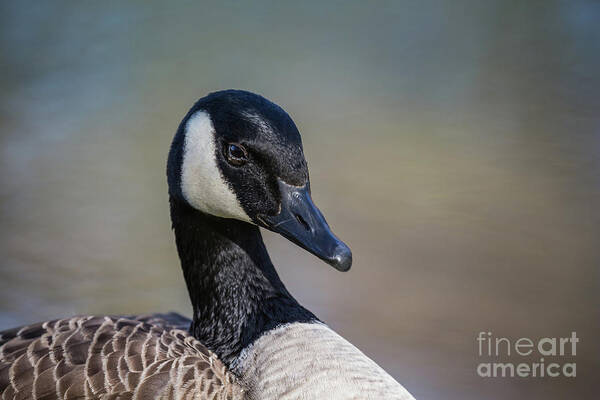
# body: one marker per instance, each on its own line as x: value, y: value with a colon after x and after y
x: 202, y: 183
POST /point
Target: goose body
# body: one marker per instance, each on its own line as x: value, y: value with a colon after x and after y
x: 236, y: 164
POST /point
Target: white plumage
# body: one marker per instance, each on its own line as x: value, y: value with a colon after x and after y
x: 311, y: 361
x: 202, y: 184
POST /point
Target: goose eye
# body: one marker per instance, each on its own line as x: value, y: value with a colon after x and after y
x: 236, y: 154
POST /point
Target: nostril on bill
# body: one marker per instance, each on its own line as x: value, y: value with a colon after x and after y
x: 302, y: 222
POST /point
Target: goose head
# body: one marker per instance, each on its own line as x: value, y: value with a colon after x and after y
x: 238, y: 155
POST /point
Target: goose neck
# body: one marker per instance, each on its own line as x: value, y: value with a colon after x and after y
x: 235, y: 291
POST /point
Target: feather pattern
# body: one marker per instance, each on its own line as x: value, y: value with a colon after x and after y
x: 101, y: 357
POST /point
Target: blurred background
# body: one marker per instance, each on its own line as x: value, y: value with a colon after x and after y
x: 455, y: 145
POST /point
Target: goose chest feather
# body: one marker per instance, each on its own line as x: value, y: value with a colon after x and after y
x: 236, y: 163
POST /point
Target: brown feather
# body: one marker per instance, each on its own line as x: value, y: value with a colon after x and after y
x: 96, y: 357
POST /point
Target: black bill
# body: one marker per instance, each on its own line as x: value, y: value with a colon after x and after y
x: 300, y: 221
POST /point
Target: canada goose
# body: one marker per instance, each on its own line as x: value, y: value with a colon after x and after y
x: 236, y: 164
